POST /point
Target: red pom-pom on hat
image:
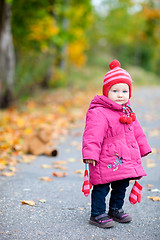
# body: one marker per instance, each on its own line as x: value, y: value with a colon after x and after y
x: 114, y: 63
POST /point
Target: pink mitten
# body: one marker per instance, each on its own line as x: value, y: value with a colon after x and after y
x: 86, y: 185
x: 135, y: 194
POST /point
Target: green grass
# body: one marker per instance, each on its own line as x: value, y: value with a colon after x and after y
x: 92, y: 74
x: 30, y: 73
x: 142, y: 77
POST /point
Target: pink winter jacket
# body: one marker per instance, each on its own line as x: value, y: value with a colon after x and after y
x: 116, y: 147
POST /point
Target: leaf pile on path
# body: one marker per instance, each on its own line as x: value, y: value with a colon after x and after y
x: 61, y: 109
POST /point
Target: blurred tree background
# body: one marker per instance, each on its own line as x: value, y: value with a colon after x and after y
x: 68, y: 43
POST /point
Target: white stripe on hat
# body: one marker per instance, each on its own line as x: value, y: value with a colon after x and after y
x: 116, y: 78
x: 117, y: 69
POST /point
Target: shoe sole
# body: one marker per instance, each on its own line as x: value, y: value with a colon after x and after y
x: 107, y: 225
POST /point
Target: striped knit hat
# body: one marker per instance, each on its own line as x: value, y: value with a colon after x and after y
x: 116, y: 75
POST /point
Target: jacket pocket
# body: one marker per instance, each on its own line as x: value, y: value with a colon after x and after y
x: 108, y: 153
x: 118, y: 148
x: 110, y: 150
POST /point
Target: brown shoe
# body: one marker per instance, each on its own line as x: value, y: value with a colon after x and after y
x: 102, y: 221
x: 119, y: 216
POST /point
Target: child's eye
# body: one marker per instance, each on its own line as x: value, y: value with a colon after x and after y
x: 125, y: 91
x: 114, y: 90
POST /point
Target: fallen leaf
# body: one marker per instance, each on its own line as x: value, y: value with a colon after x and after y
x: 31, y: 203
x: 71, y: 208
x: 79, y: 147
x: 71, y: 160
x: 150, y: 163
x: 7, y: 233
x: 150, y: 185
x: 74, y: 143
x: 154, y: 198
x: 12, y: 162
x: 59, y: 174
x: 3, y: 162
x: 7, y: 174
x: 26, y: 189
x: 79, y: 171
x: 27, y: 158
x: 148, y: 117
x: 154, y: 133
x: 60, y: 167
x: 42, y: 200
x: 46, y: 179
x: 81, y: 209
x: 59, y: 162
x: 155, y: 190
x: 12, y: 169
x: 154, y: 150
x: 46, y: 166
x: 77, y: 134
x: 2, y: 167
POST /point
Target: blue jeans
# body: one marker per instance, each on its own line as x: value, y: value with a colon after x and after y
x: 99, y: 193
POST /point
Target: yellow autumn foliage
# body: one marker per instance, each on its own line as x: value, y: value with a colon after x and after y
x: 43, y: 29
x: 76, y: 52
x: 151, y: 13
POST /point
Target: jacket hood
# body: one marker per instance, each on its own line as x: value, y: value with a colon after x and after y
x: 105, y: 102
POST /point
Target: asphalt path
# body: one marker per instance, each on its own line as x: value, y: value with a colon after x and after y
x: 65, y: 212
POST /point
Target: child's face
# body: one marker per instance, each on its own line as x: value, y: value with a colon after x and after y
x: 119, y: 93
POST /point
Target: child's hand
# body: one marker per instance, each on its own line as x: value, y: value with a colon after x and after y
x: 93, y: 162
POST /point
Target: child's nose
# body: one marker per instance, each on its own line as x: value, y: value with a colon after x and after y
x: 120, y: 94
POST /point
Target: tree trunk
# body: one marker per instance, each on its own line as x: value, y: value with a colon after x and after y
x: 7, y: 59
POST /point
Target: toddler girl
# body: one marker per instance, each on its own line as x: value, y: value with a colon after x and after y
x: 113, y: 144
